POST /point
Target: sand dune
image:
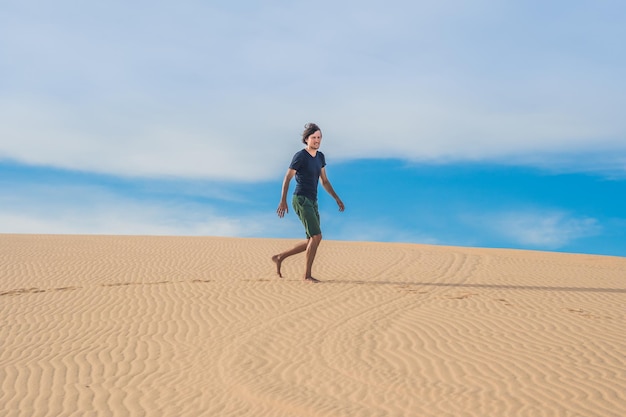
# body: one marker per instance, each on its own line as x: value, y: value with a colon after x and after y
x: 201, y: 326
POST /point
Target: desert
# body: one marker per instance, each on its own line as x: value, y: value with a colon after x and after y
x: 97, y: 325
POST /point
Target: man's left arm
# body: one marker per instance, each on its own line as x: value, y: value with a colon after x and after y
x: 329, y: 189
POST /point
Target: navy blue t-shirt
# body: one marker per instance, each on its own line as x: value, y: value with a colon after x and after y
x: 308, y: 169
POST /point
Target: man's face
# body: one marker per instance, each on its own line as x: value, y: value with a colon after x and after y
x: 314, y: 140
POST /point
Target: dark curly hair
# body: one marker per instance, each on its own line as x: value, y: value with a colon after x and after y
x: 309, y: 129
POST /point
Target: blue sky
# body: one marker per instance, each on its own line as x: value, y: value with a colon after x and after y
x: 484, y: 123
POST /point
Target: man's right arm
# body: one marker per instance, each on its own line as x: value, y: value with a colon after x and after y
x: 282, y: 206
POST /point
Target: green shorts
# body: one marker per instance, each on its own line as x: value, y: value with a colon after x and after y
x: 307, y: 211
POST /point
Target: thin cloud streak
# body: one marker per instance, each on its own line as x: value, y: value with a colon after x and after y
x: 89, y: 209
x: 124, y: 217
x: 548, y: 230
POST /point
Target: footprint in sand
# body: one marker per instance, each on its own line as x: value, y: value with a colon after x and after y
x: 407, y: 289
x: 460, y: 297
x: 21, y: 291
x: 584, y: 313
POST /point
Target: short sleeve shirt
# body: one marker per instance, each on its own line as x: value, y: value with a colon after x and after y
x: 308, y: 170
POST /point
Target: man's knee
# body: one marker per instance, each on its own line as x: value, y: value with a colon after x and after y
x: 317, y: 238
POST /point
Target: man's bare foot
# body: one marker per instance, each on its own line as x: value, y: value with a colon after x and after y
x: 311, y: 279
x: 278, y: 262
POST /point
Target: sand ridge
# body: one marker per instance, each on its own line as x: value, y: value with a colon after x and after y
x: 201, y: 326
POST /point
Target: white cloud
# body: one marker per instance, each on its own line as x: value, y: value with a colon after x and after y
x: 69, y: 209
x: 373, y: 230
x: 222, y: 91
x: 544, y: 230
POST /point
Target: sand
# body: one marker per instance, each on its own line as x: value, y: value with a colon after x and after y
x: 201, y: 326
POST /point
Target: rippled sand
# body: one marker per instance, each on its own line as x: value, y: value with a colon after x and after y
x: 201, y: 326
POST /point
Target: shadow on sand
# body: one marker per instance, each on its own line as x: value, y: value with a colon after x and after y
x: 486, y: 286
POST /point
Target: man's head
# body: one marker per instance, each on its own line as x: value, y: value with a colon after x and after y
x: 311, y: 129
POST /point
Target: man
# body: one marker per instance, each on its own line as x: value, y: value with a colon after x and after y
x: 308, y: 166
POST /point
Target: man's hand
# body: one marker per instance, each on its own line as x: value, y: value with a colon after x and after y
x: 340, y: 204
x: 282, y: 209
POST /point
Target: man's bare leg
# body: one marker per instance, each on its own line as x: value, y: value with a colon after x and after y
x: 278, y: 259
x: 311, y: 250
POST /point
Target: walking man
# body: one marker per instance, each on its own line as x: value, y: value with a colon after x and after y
x: 308, y: 166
